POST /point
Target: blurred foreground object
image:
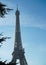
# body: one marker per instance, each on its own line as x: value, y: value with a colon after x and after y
x: 4, y: 10
x: 2, y: 38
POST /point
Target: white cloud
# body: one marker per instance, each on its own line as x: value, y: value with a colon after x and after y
x: 25, y: 20
x: 8, y: 20
x: 42, y: 48
x: 33, y: 21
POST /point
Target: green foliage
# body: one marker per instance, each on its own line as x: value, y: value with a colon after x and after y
x: 3, y: 63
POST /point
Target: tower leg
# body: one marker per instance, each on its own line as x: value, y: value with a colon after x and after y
x: 23, y: 61
x: 13, y: 61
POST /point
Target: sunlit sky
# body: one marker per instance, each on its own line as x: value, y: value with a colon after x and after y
x: 33, y: 30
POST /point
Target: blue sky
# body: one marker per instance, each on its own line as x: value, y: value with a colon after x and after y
x: 33, y: 30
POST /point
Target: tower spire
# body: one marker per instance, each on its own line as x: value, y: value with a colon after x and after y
x: 17, y: 6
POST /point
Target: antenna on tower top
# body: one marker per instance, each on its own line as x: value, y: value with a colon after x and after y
x: 17, y: 6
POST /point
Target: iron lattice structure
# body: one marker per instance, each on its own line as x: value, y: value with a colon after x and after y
x: 18, y: 52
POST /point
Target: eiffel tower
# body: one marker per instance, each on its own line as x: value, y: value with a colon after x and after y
x: 18, y: 52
